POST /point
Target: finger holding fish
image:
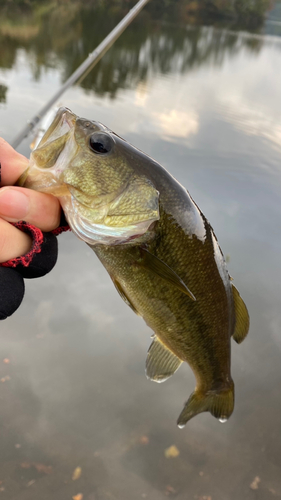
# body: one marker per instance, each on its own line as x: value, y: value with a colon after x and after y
x: 39, y: 209
x: 18, y: 204
x: 13, y: 242
x: 13, y: 164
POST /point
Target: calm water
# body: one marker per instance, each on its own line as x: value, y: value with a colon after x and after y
x: 206, y: 103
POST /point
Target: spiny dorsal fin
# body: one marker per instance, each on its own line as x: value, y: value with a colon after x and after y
x: 241, y: 317
x: 123, y: 294
x: 157, y: 266
x: 161, y: 363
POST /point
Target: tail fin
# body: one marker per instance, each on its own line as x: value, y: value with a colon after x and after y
x: 219, y: 403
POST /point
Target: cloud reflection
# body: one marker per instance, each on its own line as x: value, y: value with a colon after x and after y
x: 177, y: 124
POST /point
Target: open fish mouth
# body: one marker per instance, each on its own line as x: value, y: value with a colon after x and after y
x: 53, y: 153
x: 61, y: 125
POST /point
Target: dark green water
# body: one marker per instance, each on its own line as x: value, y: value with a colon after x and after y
x: 205, y: 101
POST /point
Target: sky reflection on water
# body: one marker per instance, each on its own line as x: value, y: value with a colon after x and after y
x: 77, y: 393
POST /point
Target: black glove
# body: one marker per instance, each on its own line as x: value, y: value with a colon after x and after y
x: 36, y: 263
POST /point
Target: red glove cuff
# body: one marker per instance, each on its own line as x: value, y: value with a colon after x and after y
x: 37, y: 242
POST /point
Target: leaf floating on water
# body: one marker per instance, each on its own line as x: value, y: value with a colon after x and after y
x: 76, y: 474
x: 255, y: 484
x: 171, y: 452
x: 46, y: 469
x: 4, y: 379
x: 25, y: 465
x: 144, y: 440
x: 30, y: 483
x: 170, y: 490
x: 6, y: 361
x: 79, y: 496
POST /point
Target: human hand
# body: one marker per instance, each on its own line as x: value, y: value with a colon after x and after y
x: 16, y: 203
x: 25, y: 251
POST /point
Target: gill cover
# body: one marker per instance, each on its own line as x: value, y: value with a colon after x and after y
x: 126, y: 217
x: 105, y: 201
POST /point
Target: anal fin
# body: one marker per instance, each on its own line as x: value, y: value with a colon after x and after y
x: 161, y: 363
x: 242, y: 321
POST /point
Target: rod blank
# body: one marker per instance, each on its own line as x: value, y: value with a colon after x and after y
x: 83, y: 69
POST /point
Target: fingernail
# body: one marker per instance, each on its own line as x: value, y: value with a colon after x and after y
x: 14, y: 204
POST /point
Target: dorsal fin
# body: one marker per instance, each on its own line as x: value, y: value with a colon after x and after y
x: 161, y: 363
x: 242, y: 320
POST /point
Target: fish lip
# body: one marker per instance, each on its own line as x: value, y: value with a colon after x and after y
x: 68, y: 116
x: 64, y: 116
x: 62, y: 125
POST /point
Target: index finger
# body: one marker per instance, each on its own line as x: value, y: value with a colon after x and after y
x: 12, y: 164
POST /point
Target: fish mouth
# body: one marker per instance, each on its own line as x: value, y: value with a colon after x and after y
x: 63, y: 122
x: 52, y: 155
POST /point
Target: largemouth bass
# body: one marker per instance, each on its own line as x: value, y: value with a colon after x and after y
x: 158, y: 248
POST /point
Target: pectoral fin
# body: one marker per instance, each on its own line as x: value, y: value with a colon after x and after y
x: 161, y: 363
x: 123, y: 294
x: 159, y: 267
x: 241, y: 317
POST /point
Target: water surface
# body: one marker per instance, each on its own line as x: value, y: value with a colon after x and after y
x: 205, y: 102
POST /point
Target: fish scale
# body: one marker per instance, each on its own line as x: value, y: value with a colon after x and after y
x: 190, y: 319
x: 158, y: 247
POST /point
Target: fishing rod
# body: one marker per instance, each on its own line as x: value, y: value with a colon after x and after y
x: 83, y: 69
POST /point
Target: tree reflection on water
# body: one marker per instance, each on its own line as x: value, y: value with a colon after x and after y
x: 61, y: 35
x: 3, y: 91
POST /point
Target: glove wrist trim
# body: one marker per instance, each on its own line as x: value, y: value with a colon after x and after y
x: 60, y: 230
x: 37, y: 240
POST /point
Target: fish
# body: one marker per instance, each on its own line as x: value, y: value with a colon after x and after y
x: 159, y: 249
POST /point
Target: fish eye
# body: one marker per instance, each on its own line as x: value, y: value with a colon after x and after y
x: 100, y: 143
